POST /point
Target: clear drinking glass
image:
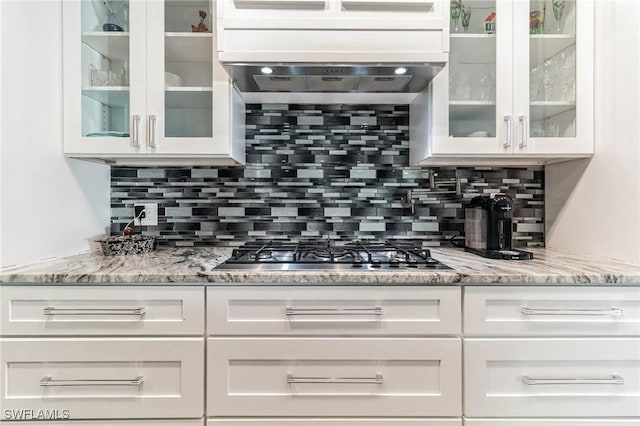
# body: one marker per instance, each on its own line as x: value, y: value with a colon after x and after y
x: 456, y: 10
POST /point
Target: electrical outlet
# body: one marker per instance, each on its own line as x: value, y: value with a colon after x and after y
x: 150, y: 215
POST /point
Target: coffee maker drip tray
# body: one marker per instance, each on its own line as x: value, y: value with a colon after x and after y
x: 510, y: 254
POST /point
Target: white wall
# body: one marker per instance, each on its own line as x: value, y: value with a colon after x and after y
x: 593, y: 207
x: 50, y: 206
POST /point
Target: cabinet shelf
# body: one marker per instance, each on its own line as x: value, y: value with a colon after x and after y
x: 474, y: 48
x: 548, y: 45
x: 541, y: 110
x: 111, y: 45
x: 188, y: 97
x: 189, y: 47
x: 113, y: 96
x: 472, y: 110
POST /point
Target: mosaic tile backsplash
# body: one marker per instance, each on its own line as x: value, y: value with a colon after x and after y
x: 322, y: 171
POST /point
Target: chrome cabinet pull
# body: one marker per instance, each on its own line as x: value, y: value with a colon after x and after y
x: 377, y: 380
x: 136, y: 131
x: 509, y: 131
x: 523, y: 130
x: 152, y: 131
x: 612, y: 312
x: 53, y: 311
x: 377, y: 310
x: 613, y: 380
x: 48, y: 381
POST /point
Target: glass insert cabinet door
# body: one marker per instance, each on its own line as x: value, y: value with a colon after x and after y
x: 552, y: 68
x: 472, y: 69
x: 102, y: 105
x: 181, y: 71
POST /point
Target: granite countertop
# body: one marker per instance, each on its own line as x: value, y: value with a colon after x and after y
x: 196, y: 266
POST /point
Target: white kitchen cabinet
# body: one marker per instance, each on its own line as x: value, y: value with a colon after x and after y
x: 564, y: 377
x: 84, y: 311
x: 334, y: 311
x: 336, y: 422
x: 338, y: 31
x: 522, y: 94
x: 551, y: 422
x: 557, y: 311
x: 104, y: 378
x: 332, y: 377
x: 151, y: 94
x: 186, y: 422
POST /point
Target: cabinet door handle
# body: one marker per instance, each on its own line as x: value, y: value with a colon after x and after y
x: 377, y: 380
x: 377, y: 310
x: 135, y: 135
x: 509, y: 130
x: 612, y: 312
x: 523, y: 130
x: 53, y: 311
x: 613, y: 380
x: 152, y: 131
x: 50, y: 382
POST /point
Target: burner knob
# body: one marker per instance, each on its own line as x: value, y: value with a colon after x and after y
x: 412, y: 263
x: 394, y: 263
x: 357, y: 263
x: 376, y: 263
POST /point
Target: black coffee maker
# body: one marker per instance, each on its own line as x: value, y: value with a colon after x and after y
x: 488, y: 228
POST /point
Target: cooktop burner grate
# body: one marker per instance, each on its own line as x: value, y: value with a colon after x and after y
x: 329, y: 254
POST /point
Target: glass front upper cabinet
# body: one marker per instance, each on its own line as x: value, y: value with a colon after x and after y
x: 552, y: 68
x: 188, y: 72
x: 473, y: 69
x: 104, y: 62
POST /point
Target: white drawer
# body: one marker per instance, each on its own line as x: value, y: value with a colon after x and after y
x: 333, y: 377
x: 334, y: 422
x: 197, y: 422
x: 104, y: 378
x: 551, y: 422
x: 333, y: 311
x: 101, y: 310
x: 552, y: 377
x: 577, y: 311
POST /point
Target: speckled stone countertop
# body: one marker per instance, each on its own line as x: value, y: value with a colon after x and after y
x: 196, y: 266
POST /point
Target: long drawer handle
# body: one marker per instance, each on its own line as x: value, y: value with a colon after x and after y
x: 53, y: 311
x: 48, y: 381
x: 612, y: 312
x: 377, y: 380
x: 377, y: 310
x: 613, y: 380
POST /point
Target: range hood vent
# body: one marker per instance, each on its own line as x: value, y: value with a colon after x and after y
x: 318, y: 78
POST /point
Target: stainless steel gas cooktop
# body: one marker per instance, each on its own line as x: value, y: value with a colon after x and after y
x: 332, y: 255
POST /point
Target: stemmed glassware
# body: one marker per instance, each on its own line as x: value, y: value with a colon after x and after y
x: 558, y: 12
x: 456, y: 10
x: 113, y: 21
x: 466, y: 17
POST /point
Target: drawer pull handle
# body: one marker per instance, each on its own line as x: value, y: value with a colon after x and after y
x: 613, y: 380
x: 377, y: 380
x: 613, y: 312
x: 48, y: 381
x: 334, y: 311
x: 53, y: 311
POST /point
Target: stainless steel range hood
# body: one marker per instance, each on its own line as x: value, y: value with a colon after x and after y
x: 333, y: 78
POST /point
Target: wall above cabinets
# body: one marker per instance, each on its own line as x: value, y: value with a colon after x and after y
x: 141, y: 87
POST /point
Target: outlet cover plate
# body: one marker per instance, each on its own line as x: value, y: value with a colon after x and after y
x: 150, y: 214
